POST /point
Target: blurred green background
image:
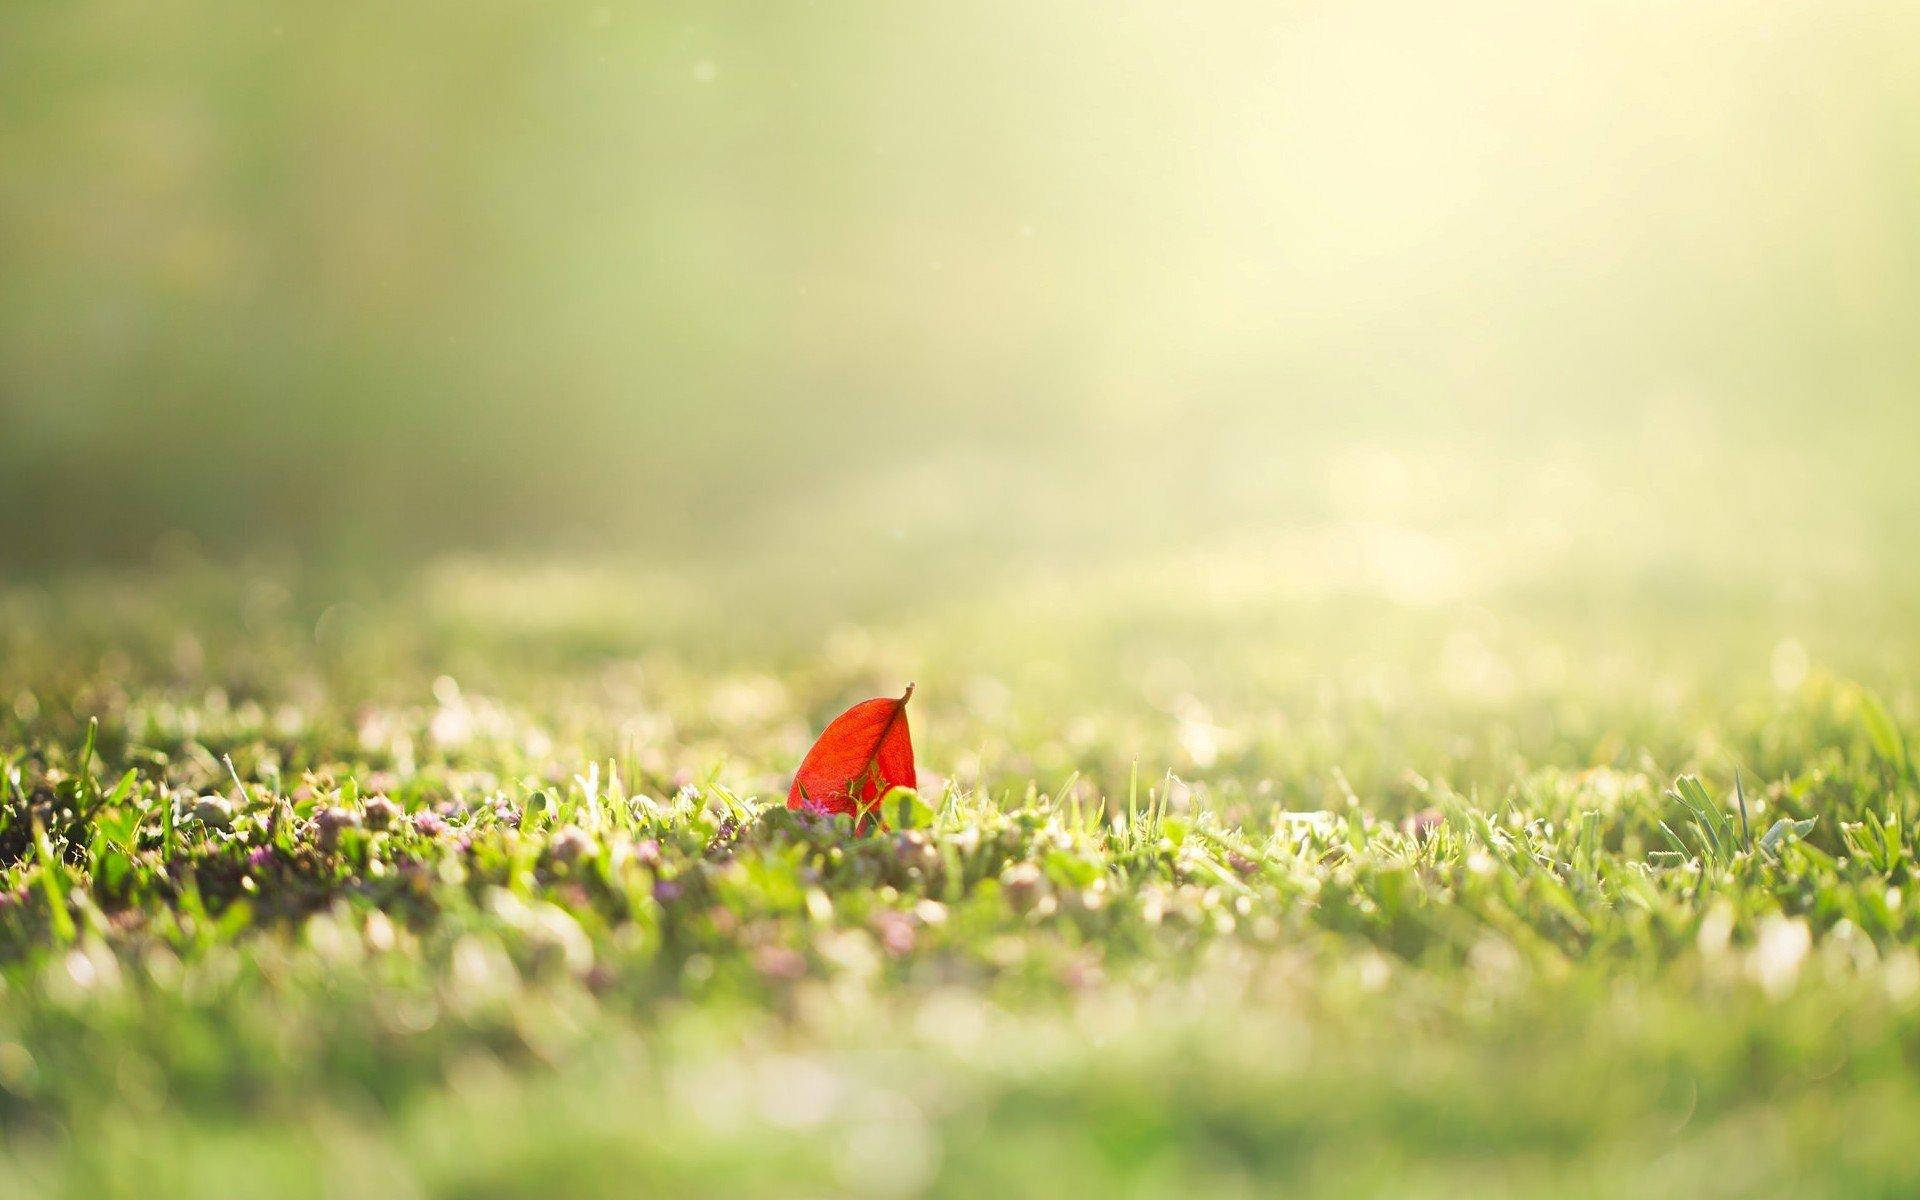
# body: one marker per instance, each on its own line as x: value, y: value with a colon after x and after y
x: 852, y: 292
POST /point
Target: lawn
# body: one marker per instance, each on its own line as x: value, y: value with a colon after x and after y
x: 1399, y: 519
x: 479, y: 883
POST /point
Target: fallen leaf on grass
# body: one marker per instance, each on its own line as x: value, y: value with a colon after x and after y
x: 864, y: 753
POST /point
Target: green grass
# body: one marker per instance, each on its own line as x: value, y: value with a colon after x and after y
x: 476, y: 885
x: 1401, y: 516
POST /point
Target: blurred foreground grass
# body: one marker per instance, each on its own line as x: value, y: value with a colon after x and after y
x: 1220, y: 889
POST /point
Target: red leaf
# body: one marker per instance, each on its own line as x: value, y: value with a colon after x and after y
x: 865, y: 751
